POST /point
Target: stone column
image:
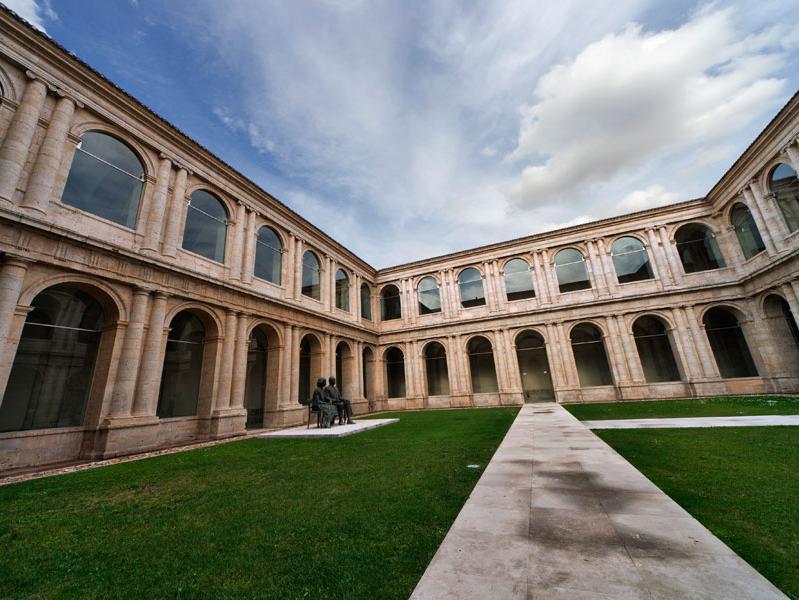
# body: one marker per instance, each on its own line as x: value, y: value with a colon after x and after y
x: 355, y: 298
x: 250, y: 239
x: 630, y: 351
x: 542, y: 289
x: 226, y: 364
x: 609, y: 271
x: 289, y: 378
x: 130, y: 357
x: 661, y: 270
x: 176, y: 214
x: 19, y: 136
x: 299, y: 250
x: 288, y: 266
x: 556, y: 355
x: 613, y: 349
x: 707, y: 360
x: 155, y: 216
x: 511, y: 363
x: 692, y: 367
x: 40, y: 185
x: 145, y: 400
x: 792, y: 153
x: 358, y: 369
x: 234, y: 259
x: 772, y: 215
x: 671, y: 256
x: 488, y: 287
x: 729, y: 247
x: 12, y: 276
x: 443, y: 293
x: 792, y: 298
x: 597, y: 275
x: 551, y: 276
x: 452, y: 294
x: 748, y: 199
x: 324, y: 283
x: 570, y: 368
x: 240, y: 363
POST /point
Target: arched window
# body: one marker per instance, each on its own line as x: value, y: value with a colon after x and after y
x: 518, y: 280
x: 429, y: 296
x: 571, y: 271
x: 729, y: 344
x: 206, y: 226
x: 435, y: 362
x: 390, y: 304
x: 105, y: 179
x: 311, y: 275
x: 342, y: 290
x: 697, y: 247
x: 268, y: 255
x: 784, y: 184
x: 654, y: 350
x: 630, y: 260
x: 746, y: 231
x: 310, y: 366
x: 470, y: 284
x: 255, y: 381
x: 481, y: 366
x: 52, y: 372
x: 531, y: 352
x: 589, y: 356
x: 366, y: 302
x: 183, y: 365
x: 395, y: 373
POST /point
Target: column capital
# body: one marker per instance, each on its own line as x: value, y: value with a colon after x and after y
x: 161, y: 295
x: 17, y: 260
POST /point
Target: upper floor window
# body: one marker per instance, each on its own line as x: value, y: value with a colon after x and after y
x: 630, y: 260
x: 310, y: 275
x: 366, y: 302
x: 570, y: 270
x: 206, y: 226
x: 518, y: 280
x: 390, y: 304
x: 470, y: 284
x: 342, y: 290
x: 105, y: 179
x: 697, y: 247
x: 268, y: 255
x: 429, y: 296
x: 784, y: 184
x: 746, y: 231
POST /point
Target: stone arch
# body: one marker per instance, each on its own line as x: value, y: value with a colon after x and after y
x: 262, y: 377
x: 108, y: 296
x: 782, y: 330
x: 227, y: 202
x: 139, y: 148
x: 657, y: 348
x: 730, y: 334
x: 8, y: 89
x: 534, y: 362
x: 368, y: 372
x: 480, y: 352
x: 209, y: 316
x: 435, y: 358
x: 346, y: 376
x: 310, y: 351
x: 394, y: 359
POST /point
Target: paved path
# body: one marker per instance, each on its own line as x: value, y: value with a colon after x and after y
x: 335, y: 431
x: 559, y: 514
x: 755, y: 421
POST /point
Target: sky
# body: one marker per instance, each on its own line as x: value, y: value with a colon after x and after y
x: 406, y: 130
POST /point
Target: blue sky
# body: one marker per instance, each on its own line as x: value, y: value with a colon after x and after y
x: 412, y: 129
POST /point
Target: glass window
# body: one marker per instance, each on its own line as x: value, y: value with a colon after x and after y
x: 366, y: 302
x: 366, y: 374
x: 52, y: 372
x: 342, y: 290
x: 206, y: 226
x: 654, y: 350
x: 590, y: 358
x: 746, y: 231
x: 183, y: 363
x: 390, y: 306
x: 311, y: 270
x: 729, y: 344
x: 630, y: 260
x: 105, y: 179
x: 470, y: 284
x: 784, y: 184
x: 255, y: 382
x: 307, y: 381
x: 435, y: 360
x: 698, y: 249
x: 570, y: 270
x: 268, y: 255
x: 531, y: 353
x: 518, y: 280
x: 481, y: 366
x: 395, y: 372
x: 429, y: 296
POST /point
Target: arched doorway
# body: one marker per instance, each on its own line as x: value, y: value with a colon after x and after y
x: 531, y: 352
x: 729, y: 344
x: 255, y: 384
x: 183, y: 365
x: 590, y: 357
x: 310, y: 366
x: 784, y: 335
x: 435, y: 362
x: 395, y: 373
x: 345, y: 376
x: 481, y: 366
x: 655, y: 350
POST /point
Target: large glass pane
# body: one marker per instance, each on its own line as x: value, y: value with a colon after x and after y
x: 571, y: 271
x: 590, y: 358
x: 268, y: 256
x: 435, y: 359
x: 105, y: 179
x: 784, y: 184
x: 395, y: 373
x: 366, y: 302
x: 206, y: 226
x: 342, y: 291
x: 746, y: 231
x: 390, y: 307
x: 183, y: 363
x: 470, y: 283
x: 306, y: 386
x: 255, y: 387
x: 698, y: 249
x: 654, y: 350
x: 518, y: 280
x: 534, y: 367
x: 429, y: 296
x: 311, y: 276
x: 729, y: 344
x: 630, y: 260
x: 366, y: 362
x: 51, y: 376
x: 481, y: 366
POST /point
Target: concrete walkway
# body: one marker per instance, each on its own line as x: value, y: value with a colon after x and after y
x: 559, y: 514
x: 753, y: 421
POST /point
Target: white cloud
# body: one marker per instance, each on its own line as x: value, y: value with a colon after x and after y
x: 649, y: 197
x: 33, y: 11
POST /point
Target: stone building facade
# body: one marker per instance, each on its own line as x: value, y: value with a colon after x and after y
x: 150, y: 295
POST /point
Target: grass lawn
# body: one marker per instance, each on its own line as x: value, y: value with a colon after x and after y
x: 355, y: 517
x: 742, y: 483
x: 725, y: 406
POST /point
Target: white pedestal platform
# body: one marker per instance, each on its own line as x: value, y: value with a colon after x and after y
x: 335, y: 431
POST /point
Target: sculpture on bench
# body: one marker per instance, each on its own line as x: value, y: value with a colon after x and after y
x: 320, y: 403
x: 343, y: 406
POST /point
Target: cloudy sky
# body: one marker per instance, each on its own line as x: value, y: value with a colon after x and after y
x: 412, y: 129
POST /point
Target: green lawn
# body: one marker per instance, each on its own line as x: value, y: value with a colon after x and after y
x: 355, y: 517
x: 726, y: 406
x: 742, y: 483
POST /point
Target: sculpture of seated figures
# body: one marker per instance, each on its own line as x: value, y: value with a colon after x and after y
x: 343, y: 405
x: 319, y: 401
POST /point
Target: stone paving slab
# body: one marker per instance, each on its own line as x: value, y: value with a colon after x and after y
x: 670, y: 423
x: 336, y: 431
x: 558, y: 514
